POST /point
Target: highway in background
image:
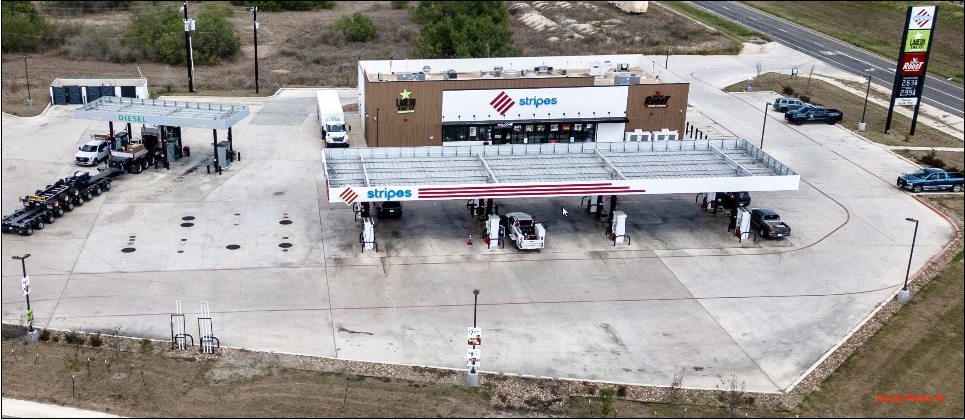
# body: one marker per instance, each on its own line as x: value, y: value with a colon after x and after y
x: 938, y: 92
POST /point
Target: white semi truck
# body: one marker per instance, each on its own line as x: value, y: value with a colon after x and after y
x: 331, y: 119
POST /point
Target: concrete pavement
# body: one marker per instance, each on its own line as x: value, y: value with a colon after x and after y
x: 685, y: 296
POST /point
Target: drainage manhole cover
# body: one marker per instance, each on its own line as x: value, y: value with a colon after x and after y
x: 285, y: 245
x: 285, y: 222
x: 130, y: 243
x: 128, y: 250
x: 233, y: 247
x: 187, y: 218
x: 187, y: 224
x: 284, y: 250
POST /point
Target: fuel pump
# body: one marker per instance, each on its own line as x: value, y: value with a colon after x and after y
x: 368, y: 234
x: 494, y: 231
x: 592, y: 206
x: 743, y: 224
x: 618, y: 227
x: 224, y: 156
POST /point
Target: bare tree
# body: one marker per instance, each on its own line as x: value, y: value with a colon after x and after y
x: 759, y: 66
x: 730, y: 393
x: 674, y: 393
x: 807, y: 87
x: 114, y: 340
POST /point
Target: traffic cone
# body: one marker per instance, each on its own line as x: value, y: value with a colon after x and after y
x: 470, y: 240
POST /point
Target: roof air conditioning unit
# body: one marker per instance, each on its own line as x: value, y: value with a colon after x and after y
x: 449, y: 75
x: 523, y: 72
x: 637, y: 135
x: 510, y: 74
x: 563, y: 72
x: 420, y: 76
x: 497, y: 71
x: 380, y: 76
x: 542, y: 69
x: 596, y: 70
x: 404, y: 75
x: 626, y: 79
x: 426, y: 69
x: 623, y: 67
x: 666, y: 134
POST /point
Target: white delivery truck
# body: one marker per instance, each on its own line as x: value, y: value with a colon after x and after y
x: 331, y: 119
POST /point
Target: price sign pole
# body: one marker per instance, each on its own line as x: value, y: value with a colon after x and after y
x: 910, y: 75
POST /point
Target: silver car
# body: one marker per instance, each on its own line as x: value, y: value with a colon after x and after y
x: 788, y: 104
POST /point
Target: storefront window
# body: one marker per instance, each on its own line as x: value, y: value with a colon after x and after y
x: 504, y: 133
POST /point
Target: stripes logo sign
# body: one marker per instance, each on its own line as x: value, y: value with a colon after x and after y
x: 348, y: 195
x: 502, y: 103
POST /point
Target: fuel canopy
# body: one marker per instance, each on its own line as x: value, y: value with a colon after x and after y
x: 553, y: 169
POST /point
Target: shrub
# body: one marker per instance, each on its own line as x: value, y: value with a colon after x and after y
x: 398, y: 5
x: 146, y: 346
x: 277, y: 6
x: 357, y: 28
x: 44, y: 335
x: 71, y: 337
x: 75, y: 8
x: 933, y: 161
x: 462, y: 29
x: 95, y: 340
x: 805, y: 99
x: 787, y: 90
x: 24, y: 29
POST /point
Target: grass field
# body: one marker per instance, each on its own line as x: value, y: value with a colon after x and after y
x: 876, y: 26
x: 918, y: 352
x: 821, y: 92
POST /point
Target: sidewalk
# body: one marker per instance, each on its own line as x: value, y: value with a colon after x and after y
x: 30, y: 409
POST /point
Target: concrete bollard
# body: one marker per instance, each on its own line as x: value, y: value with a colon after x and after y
x: 209, y: 169
x: 472, y: 378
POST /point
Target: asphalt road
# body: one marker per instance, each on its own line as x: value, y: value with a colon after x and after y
x: 938, y: 92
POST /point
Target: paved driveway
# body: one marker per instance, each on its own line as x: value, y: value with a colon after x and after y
x: 683, y: 297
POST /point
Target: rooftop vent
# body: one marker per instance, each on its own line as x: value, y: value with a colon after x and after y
x: 623, y: 67
x: 509, y: 74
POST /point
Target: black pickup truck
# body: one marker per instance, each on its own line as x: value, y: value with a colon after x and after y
x: 811, y: 113
x: 768, y: 224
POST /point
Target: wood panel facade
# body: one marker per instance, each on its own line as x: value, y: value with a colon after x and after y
x: 385, y: 126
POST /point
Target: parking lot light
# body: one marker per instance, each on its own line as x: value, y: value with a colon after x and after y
x: 904, y: 295
x: 766, y: 105
x: 861, y: 125
x: 23, y: 265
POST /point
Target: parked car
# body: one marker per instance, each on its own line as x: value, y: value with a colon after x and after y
x: 388, y: 209
x: 92, y: 153
x: 931, y: 179
x: 725, y: 200
x: 768, y: 224
x: 811, y: 113
x: 788, y: 104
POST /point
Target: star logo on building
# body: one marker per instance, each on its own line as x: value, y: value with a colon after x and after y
x: 405, y: 93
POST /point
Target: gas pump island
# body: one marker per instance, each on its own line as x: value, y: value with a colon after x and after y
x: 359, y: 177
x: 167, y: 118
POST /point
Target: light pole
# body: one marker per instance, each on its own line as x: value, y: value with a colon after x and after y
x: 763, y: 126
x: 861, y: 125
x: 473, y: 378
x: 23, y: 265
x: 904, y: 295
x: 30, y: 101
x: 254, y: 11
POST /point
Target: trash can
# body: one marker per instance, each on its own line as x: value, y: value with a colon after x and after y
x: 187, y: 151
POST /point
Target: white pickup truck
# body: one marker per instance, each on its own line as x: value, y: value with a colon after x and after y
x: 524, y: 231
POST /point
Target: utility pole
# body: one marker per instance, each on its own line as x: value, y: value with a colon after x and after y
x: 189, y: 54
x: 254, y: 11
x: 30, y: 101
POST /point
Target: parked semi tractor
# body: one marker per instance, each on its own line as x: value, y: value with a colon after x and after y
x: 331, y: 119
